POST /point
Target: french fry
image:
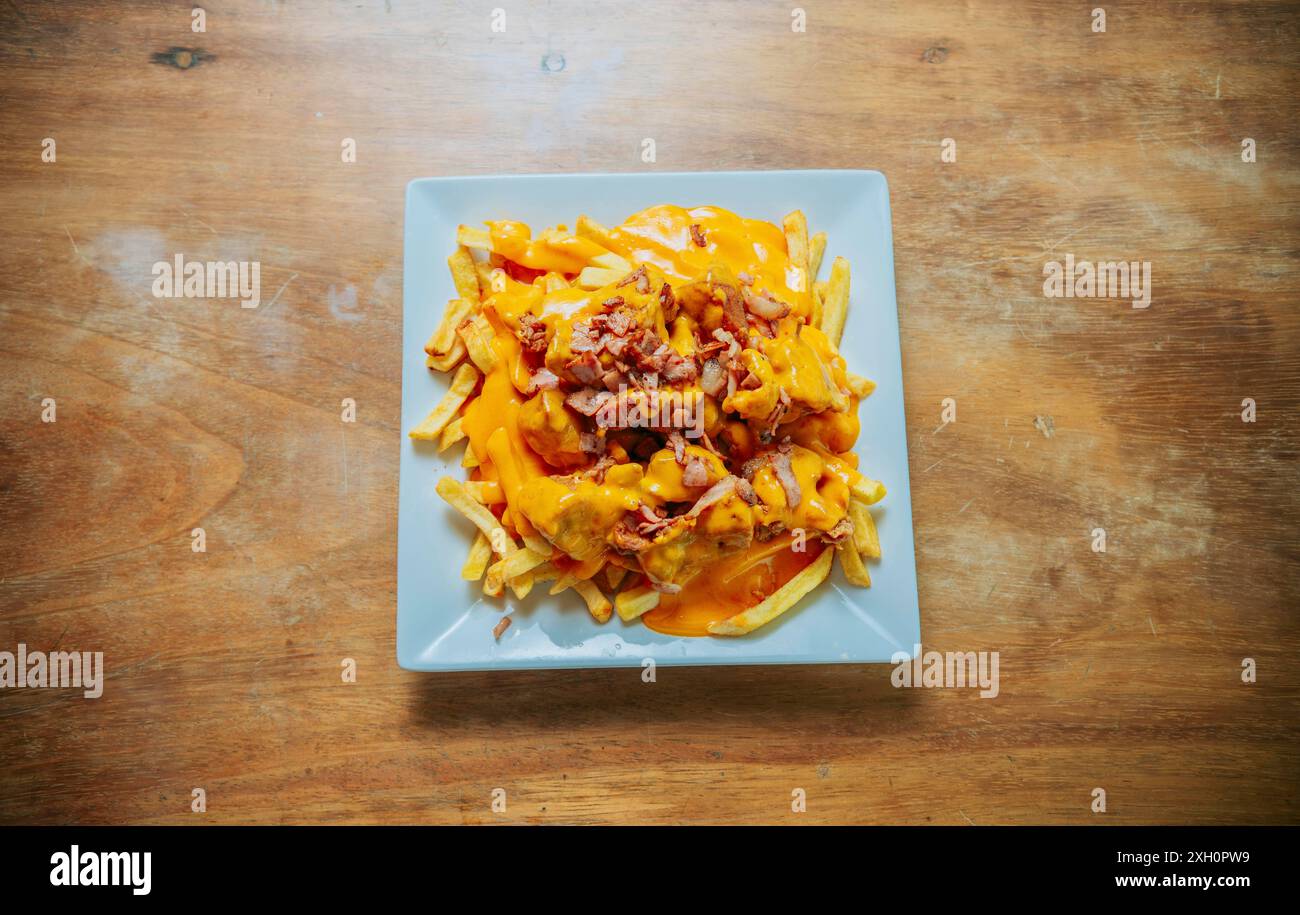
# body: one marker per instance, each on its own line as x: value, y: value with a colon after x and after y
x: 465, y: 276
x: 514, y: 565
x: 477, y: 334
x: 635, y: 602
x: 796, y: 243
x: 611, y: 261
x: 851, y: 563
x: 595, y: 277
x: 480, y: 551
x: 449, y: 361
x: 779, y: 601
x: 444, y: 337
x: 462, y: 385
x: 865, y: 537
x: 867, y: 490
x: 453, y: 432
x: 597, y: 602
x: 469, y: 459
x: 836, y: 306
x: 614, y: 576
x: 563, y: 582
x: 497, y: 536
x: 538, y: 544
x: 470, y: 237
x: 589, y: 228
x: 816, y: 250
x: 860, y: 387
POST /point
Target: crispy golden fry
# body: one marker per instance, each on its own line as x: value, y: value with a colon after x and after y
x: 611, y: 261
x: 477, y: 334
x: 597, y: 602
x: 816, y: 250
x: 614, y: 576
x: 563, y: 582
x: 465, y: 276
x: 513, y: 566
x: 595, y: 277
x: 469, y: 459
x: 796, y: 243
x: 860, y: 387
x: 851, y: 563
x: 589, y: 228
x: 865, y: 537
x: 555, y: 282
x: 836, y: 306
x: 444, y: 337
x: 462, y: 385
x: 449, y: 361
x: 453, y: 432
x: 868, y: 490
x: 547, y: 571
x: 538, y: 544
x: 470, y: 237
x: 819, y: 303
x: 456, y: 496
x: 480, y: 552
x: 634, y: 602
x: 781, y: 600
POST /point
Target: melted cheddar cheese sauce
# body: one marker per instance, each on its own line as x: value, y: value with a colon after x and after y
x: 531, y: 442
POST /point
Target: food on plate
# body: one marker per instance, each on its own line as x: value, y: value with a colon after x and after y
x: 656, y: 411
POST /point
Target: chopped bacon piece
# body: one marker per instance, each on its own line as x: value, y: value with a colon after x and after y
x: 696, y: 474
x: 713, y: 495
x: 532, y: 333
x: 709, y: 446
x: 636, y: 276
x: 678, y: 443
x: 613, y: 380
x: 679, y: 370
x: 584, y: 339
x: 625, y: 538
x: 697, y: 235
x: 612, y: 303
x: 591, y: 443
x: 712, y: 378
x: 733, y: 345
x: 588, y: 401
x: 499, y: 629
x: 764, y: 305
x: 542, y: 380
x: 619, y: 323
x: 733, y: 309
x: 667, y: 301
x: 586, y: 368
x: 751, y: 382
x: 765, y: 532
x: 745, y: 490
x: 842, y: 529
x: 785, y: 476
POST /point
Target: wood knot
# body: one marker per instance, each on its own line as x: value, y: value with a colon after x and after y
x: 181, y: 58
x: 935, y: 54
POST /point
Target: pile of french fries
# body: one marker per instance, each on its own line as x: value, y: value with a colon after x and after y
x: 502, y: 558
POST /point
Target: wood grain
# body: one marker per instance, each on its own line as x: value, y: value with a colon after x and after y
x: 1119, y: 670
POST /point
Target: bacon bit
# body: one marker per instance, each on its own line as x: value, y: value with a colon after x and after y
x: 696, y: 473
x: 591, y: 443
x: 532, y: 333
x: 731, y: 383
x: 679, y: 370
x: 597, y: 470
x: 745, y: 278
x: 625, y: 538
x: 697, y: 235
x: 667, y: 301
x: 619, y: 323
x: 678, y: 443
x: 612, y: 303
x: 733, y: 345
x: 764, y: 305
x: 636, y: 276
x: 765, y: 532
x: 585, y: 339
x: 586, y: 368
x: 785, y: 476
x: 752, y: 466
x: 712, y: 377
x: 842, y: 529
x: 499, y: 629
x: 588, y: 401
x: 705, y: 350
x: 542, y: 380
x: 733, y: 309
x: 751, y: 382
x: 709, y: 446
x: 714, y: 494
x: 613, y: 380
x: 745, y: 490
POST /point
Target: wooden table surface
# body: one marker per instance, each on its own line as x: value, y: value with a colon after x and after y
x: 1120, y: 670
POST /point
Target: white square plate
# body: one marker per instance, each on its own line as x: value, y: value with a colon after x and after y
x: 445, y: 622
